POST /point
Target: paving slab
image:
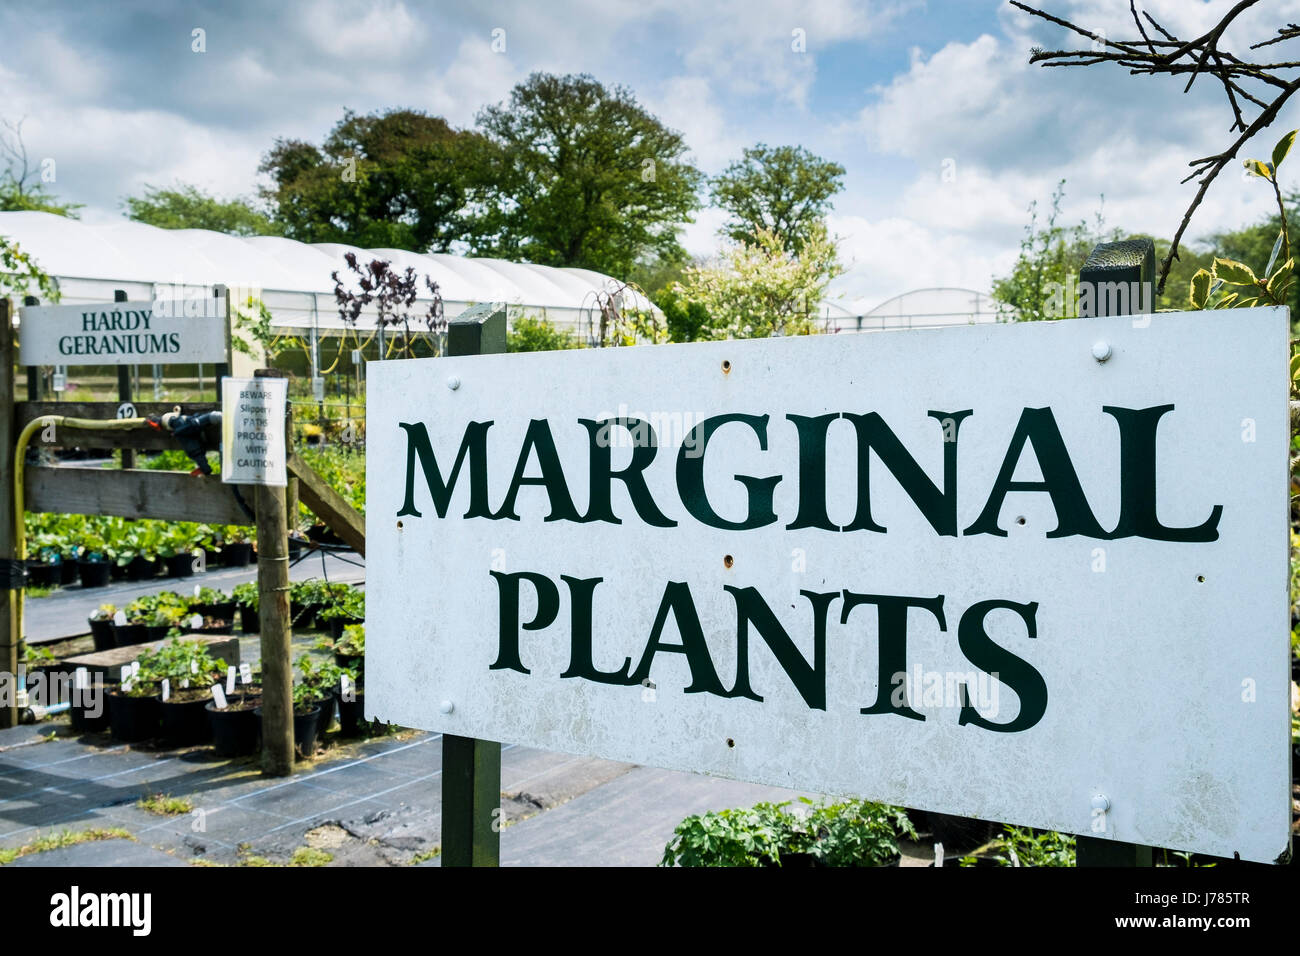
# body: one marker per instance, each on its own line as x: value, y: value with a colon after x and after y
x: 626, y: 822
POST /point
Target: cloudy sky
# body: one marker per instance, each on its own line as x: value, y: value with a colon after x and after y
x: 897, y: 91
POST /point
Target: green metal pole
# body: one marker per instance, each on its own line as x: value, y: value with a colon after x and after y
x: 471, y: 768
x: 1120, y: 280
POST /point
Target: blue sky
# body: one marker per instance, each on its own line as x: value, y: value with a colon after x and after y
x: 897, y: 91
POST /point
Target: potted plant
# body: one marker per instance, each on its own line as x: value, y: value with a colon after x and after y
x: 214, y: 603
x: 306, y: 714
x: 190, y: 673
x: 177, y: 550
x: 350, y: 650
x: 347, y: 608
x: 236, y: 550
x: 92, y: 563
x: 322, y: 678
x: 246, y: 597
x: 236, y: 727
x: 306, y: 599
x: 101, y: 626
x: 147, y: 537
x: 137, y: 614
x: 165, y: 618
x: 134, y: 709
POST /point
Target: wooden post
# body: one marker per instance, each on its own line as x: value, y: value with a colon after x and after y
x: 124, y: 387
x: 223, y: 368
x: 35, y: 389
x: 10, y: 639
x: 1117, y: 279
x: 471, y: 768
x: 273, y: 616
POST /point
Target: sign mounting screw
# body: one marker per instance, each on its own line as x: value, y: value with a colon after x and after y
x: 453, y: 382
x: 446, y: 707
x: 1101, y: 350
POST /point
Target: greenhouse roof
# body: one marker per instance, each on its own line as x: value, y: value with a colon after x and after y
x: 91, y: 260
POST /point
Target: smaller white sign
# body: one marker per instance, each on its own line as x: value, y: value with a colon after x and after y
x: 122, y: 333
x: 252, y: 431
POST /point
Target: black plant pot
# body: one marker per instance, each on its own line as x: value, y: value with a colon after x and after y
x: 235, y: 733
x: 304, y: 730
x: 42, y: 575
x: 185, y: 722
x: 142, y: 569
x: 328, y: 706
x: 295, y: 548
x: 221, y: 627
x: 68, y: 571
x: 180, y: 566
x: 211, y: 559
x: 224, y: 610
x: 133, y: 719
x: 102, y: 632
x: 80, y: 712
x: 127, y: 634
x: 94, y: 574
x: 352, y: 715
x: 156, y: 632
x: 248, y: 620
x: 117, y: 572
x: 236, y: 554
x: 960, y: 833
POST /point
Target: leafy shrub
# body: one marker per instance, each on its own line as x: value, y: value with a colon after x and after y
x: 850, y: 833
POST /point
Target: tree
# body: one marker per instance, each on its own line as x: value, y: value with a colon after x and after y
x: 785, y: 189
x: 398, y: 179
x: 21, y: 276
x: 584, y: 177
x: 187, y: 207
x: 22, y: 188
x: 761, y: 288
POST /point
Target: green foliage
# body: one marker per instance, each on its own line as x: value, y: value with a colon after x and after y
x: 782, y: 189
x: 350, y: 605
x: 1231, y: 283
x: 1050, y: 256
x: 577, y: 174
x: 353, y: 642
x: 246, y: 594
x: 851, y: 833
x: 251, y: 326
x: 1018, y: 846
x: 344, y: 468
x: 21, y: 276
x: 536, y: 334
x: 686, y: 320
x: 181, y: 661
x: 763, y: 289
x: 185, y: 206
x: 320, y: 676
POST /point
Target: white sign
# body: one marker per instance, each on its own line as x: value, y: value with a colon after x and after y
x: 1035, y: 573
x: 119, y: 333
x: 252, y: 431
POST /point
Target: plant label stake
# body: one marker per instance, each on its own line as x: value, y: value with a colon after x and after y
x: 120, y: 618
x: 230, y: 680
x: 80, y: 678
x: 166, y: 689
x: 246, y: 673
x: 126, y: 679
x: 345, y: 689
x: 219, y: 696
